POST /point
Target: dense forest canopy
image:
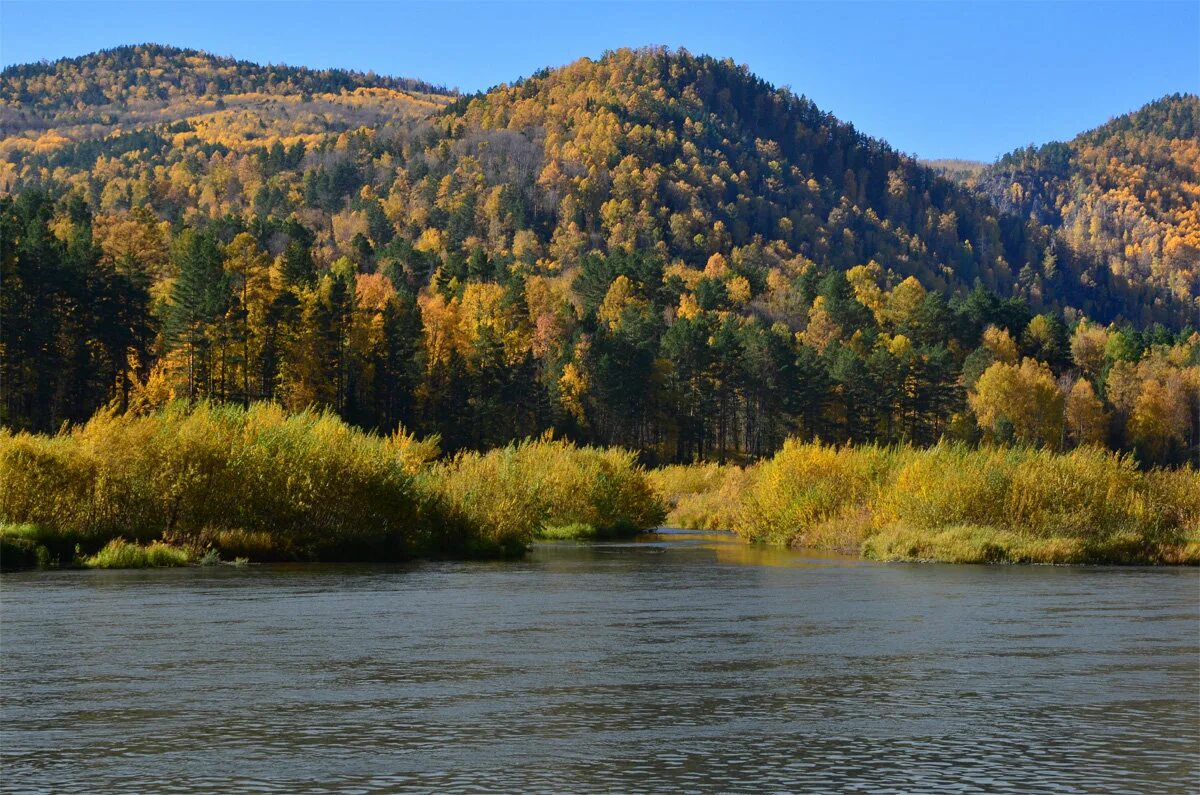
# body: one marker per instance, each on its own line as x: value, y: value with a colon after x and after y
x: 1126, y: 194
x: 132, y: 99
x: 653, y: 249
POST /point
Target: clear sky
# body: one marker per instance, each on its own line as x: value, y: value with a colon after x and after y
x: 943, y: 79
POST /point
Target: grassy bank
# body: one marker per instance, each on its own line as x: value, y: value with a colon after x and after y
x: 949, y: 503
x: 220, y: 482
x: 261, y: 484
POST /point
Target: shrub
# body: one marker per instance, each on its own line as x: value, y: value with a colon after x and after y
x: 312, y: 484
x: 267, y: 485
x: 20, y: 549
x: 951, y: 503
x: 805, y: 486
x: 1087, y: 493
x: 701, y: 496
x: 515, y: 492
x: 121, y: 554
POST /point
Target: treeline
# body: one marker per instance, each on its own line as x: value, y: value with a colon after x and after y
x: 681, y: 363
x: 654, y: 250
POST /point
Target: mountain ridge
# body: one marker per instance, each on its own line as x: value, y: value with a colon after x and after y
x: 343, y: 103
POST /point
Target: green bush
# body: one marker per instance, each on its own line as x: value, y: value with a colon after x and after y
x: 570, y: 532
x: 121, y: 554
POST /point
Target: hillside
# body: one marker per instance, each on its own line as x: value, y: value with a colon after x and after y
x: 123, y: 100
x: 654, y: 249
x: 1126, y: 194
x: 683, y: 156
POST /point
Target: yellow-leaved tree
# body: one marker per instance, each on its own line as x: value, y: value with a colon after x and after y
x: 1023, y: 400
x: 1087, y: 421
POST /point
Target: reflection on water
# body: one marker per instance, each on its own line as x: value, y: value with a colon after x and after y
x: 730, y: 549
x: 676, y: 662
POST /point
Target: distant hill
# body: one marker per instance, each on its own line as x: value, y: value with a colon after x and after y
x: 1126, y: 194
x: 115, y: 93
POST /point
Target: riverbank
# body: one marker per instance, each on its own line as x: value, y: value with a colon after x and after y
x: 224, y: 483
x: 948, y: 503
x: 268, y: 486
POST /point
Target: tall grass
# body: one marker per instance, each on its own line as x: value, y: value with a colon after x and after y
x: 700, y: 496
x: 264, y: 484
x: 956, y: 503
x: 121, y: 554
x: 550, y: 488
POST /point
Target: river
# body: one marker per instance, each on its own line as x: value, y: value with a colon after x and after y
x: 676, y: 662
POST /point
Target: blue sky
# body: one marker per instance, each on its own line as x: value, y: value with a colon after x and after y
x: 938, y: 79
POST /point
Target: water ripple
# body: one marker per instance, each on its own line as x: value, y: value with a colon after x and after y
x: 602, y: 669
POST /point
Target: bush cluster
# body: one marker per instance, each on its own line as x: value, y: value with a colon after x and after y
x: 268, y: 485
x: 950, y: 502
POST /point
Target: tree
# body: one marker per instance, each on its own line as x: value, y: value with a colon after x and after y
x: 199, y: 297
x: 1088, y: 345
x: 1045, y: 339
x: 1087, y: 422
x: 1024, y: 398
x: 905, y: 302
x: 1159, y: 419
x: 1000, y: 345
x: 248, y: 267
x: 297, y: 266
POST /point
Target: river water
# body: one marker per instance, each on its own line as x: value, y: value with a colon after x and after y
x: 673, y: 663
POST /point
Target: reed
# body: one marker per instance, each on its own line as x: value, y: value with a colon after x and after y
x: 541, y: 487
x: 952, y: 503
x: 266, y: 485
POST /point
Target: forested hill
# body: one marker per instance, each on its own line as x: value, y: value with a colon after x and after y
x: 124, y: 76
x: 645, y: 150
x: 688, y: 157
x: 653, y: 249
x: 1126, y: 194
x: 112, y: 101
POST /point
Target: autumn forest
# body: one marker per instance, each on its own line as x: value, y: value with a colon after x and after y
x: 653, y: 250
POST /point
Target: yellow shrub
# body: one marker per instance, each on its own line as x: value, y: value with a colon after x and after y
x: 805, y: 485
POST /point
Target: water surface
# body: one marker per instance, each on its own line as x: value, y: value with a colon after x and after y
x: 674, y: 663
